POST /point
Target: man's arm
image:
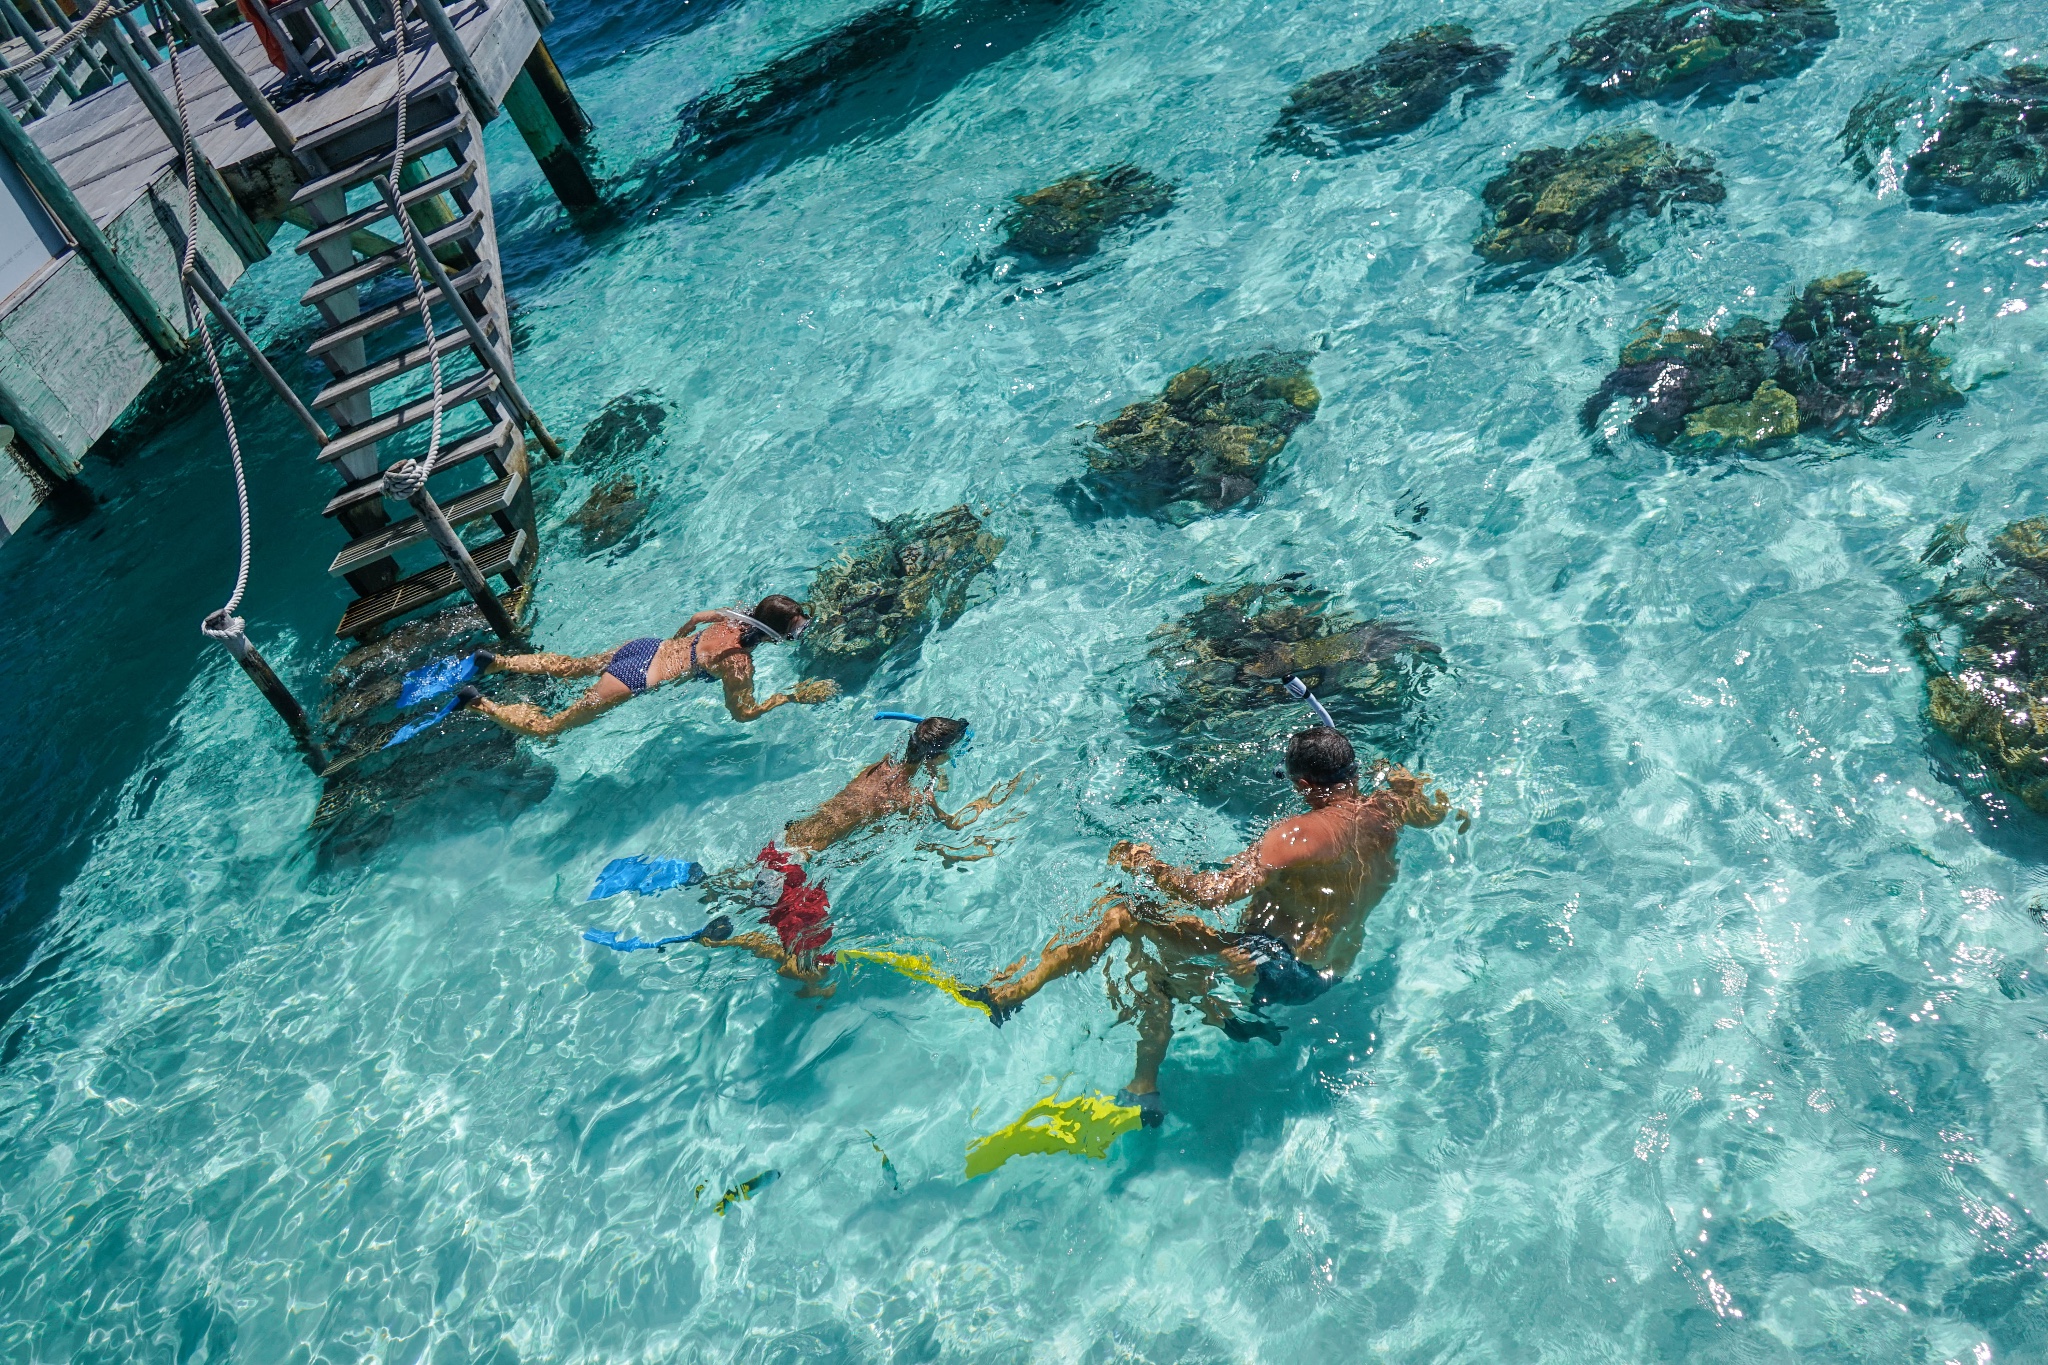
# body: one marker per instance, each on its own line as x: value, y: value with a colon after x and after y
x: 1417, y: 805
x: 1212, y: 890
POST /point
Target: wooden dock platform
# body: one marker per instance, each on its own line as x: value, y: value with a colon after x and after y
x: 73, y: 355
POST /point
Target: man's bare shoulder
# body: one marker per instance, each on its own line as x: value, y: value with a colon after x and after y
x: 1310, y: 838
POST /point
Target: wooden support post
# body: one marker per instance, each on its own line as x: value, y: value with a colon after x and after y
x: 443, y: 29
x: 19, y: 25
x: 486, y: 352
x: 260, y: 109
x: 280, y: 698
x: 227, y: 214
x: 141, y: 44
x: 36, y: 442
x: 457, y: 555
x: 92, y: 244
x: 550, y: 145
x: 256, y: 356
x: 554, y: 88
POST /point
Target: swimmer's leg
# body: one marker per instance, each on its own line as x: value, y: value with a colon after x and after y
x: 1155, y: 1032
x: 1060, y: 958
x: 529, y: 719
x: 551, y: 665
x: 801, y: 967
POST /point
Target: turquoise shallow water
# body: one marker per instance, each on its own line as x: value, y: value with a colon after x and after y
x: 1717, y: 1038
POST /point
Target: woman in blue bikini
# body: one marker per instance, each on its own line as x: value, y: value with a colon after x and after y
x: 722, y: 650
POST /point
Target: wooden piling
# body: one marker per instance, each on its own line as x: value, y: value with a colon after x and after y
x: 549, y: 143
x: 458, y: 557
x: 554, y: 88
x: 280, y: 698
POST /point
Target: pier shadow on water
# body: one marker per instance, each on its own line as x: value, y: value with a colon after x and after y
x: 865, y: 80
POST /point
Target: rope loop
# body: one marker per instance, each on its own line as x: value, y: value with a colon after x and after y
x: 228, y: 629
x: 404, y: 479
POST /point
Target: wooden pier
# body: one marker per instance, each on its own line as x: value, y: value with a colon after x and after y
x: 88, y: 324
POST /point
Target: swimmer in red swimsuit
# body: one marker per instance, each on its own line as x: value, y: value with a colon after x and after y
x: 797, y: 907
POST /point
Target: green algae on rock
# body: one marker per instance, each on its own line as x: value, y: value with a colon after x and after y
x: 1067, y: 220
x: 1983, y: 638
x: 1401, y: 88
x: 883, y: 592
x: 1204, y: 443
x: 1553, y: 203
x: 1984, y: 139
x: 1221, y: 698
x: 1667, y: 49
x: 1991, y: 146
x: 1834, y: 365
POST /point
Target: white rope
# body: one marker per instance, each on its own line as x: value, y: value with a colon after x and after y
x: 406, y: 478
x: 222, y: 625
x: 72, y: 37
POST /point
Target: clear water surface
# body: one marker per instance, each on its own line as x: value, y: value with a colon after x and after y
x: 1717, y: 1037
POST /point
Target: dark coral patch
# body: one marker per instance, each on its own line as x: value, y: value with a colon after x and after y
x: 1204, y: 443
x: 1553, y: 203
x: 1667, y: 49
x: 1835, y: 364
x: 1067, y: 220
x: 1405, y: 85
x: 891, y: 588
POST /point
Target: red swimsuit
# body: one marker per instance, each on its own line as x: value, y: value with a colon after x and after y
x: 801, y: 913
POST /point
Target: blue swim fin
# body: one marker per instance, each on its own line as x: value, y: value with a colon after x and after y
x: 648, y: 876
x: 432, y: 680
x: 720, y: 928
x: 424, y: 723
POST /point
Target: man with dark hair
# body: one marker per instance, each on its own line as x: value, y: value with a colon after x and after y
x: 1311, y: 880
x: 797, y: 908
x: 722, y: 652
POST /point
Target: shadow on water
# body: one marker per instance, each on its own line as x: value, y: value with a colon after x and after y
x: 1247, y: 1095
x: 586, y: 37
x: 860, y: 82
x: 100, y: 643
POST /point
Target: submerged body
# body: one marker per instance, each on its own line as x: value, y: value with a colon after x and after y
x: 720, y: 651
x: 798, y: 908
x: 1308, y: 884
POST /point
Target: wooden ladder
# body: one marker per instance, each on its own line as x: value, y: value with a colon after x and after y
x: 372, y: 343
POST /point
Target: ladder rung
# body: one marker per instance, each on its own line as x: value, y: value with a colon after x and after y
x: 427, y: 587
x: 495, y: 438
x: 494, y: 496
x: 362, y: 272
x: 390, y: 368
x: 377, y: 212
x: 398, y: 310
x: 468, y: 390
x: 363, y: 172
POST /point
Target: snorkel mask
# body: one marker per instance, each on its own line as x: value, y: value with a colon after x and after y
x: 741, y: 618
x: 958, y: 746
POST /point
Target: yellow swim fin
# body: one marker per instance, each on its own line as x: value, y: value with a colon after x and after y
x: 1084, y: 1125
x: 918, y: 968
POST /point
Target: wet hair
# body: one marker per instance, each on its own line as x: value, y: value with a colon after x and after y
x: 932, y: 737
x: 1321, y: 757
x: 777, y: 613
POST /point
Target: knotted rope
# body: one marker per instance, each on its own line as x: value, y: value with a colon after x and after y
x: 406, y: 478
x: 222, y: 625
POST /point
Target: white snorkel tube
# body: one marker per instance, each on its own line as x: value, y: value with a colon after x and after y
x: 1298, y: 690
x: 742, y: 619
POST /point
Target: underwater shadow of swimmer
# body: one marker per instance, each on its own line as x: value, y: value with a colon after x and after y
x: 863, y: 81
x: 1249, y: 1093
